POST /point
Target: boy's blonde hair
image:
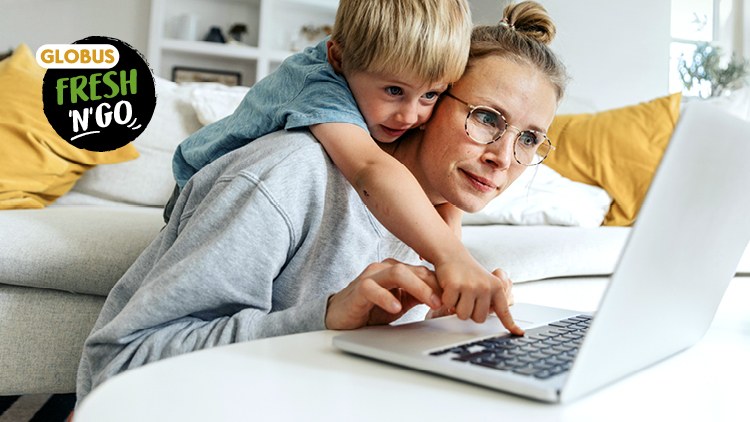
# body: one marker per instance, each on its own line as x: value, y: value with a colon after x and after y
x: 426, y: 39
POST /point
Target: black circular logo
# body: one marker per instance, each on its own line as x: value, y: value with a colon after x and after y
x: 98, y: 109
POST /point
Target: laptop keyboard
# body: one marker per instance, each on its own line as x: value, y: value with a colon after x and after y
x: 542, y: 353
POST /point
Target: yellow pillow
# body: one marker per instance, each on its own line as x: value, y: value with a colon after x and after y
x: 36, y: 165
x: 617, y: 150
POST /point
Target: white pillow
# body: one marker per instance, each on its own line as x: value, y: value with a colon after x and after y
x: 541, y: 196
x: 147, y: 180
x: 213, y: 101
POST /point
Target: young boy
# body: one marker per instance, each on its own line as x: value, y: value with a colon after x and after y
x: 379, y: 75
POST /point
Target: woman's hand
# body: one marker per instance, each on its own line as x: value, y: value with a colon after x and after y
x: 382, y: 294
x: 507, y: 286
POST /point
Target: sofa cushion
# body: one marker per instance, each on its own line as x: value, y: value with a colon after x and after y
x: 539, y: 252
x: 617, y: 150
x: 541, y: 196
x: 76, y: 249
x: 36, y: 164
x: 41, y: 338
x: 213, y: 101
x: 147, y: 180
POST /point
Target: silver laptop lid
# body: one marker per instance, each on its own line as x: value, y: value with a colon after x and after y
x: 682, y: 253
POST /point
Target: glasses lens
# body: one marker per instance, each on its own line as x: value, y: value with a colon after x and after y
x: 485, y: 125
x: 531, y: 148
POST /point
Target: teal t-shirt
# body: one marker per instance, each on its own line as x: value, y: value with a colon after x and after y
x: 303, y: 91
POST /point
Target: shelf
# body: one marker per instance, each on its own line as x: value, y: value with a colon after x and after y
x: 273, y: 26
x: 211, y: 49
x: 223, y: 50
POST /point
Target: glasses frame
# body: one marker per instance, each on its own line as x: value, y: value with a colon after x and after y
x: 505, y: 129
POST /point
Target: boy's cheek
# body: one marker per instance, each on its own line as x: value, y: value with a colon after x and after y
x: 424, y: 117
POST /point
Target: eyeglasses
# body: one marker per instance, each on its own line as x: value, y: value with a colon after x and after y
x: 486, y: 125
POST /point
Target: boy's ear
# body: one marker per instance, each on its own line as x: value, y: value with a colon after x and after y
x: 334, y: 56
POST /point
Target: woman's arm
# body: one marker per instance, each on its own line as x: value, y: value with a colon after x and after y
x: 211, y: 285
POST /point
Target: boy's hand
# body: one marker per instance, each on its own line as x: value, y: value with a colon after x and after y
x: 499, y: 273
x: 473, y: 292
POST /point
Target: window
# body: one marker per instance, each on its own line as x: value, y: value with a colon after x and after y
x: 693, y: 21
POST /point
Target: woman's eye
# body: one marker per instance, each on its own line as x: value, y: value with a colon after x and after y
x: 528, y: 139
x: 394, y: 90
x: 486, y: 118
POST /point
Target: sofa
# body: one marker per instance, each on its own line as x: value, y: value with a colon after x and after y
x: 59, y: 261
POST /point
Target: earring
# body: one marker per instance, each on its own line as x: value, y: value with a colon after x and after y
x: 421, y: 127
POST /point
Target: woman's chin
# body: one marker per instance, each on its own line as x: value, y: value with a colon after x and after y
x: 471, y: 205
x: 472, y: 210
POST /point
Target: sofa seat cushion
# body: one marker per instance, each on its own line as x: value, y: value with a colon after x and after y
x: 542, y: 252
x: 539, y: 252
x: 77, y: 249
x: 41, y: 339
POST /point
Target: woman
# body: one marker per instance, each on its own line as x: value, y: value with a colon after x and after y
x: 267, y: 240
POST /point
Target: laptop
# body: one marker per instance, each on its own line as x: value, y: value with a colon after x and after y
x: 678, y: 261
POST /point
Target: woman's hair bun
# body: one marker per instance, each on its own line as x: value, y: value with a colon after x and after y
x: 531, y: 19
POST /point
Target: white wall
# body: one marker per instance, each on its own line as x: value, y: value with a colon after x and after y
x: 39, y: 22
x: 616, y: 51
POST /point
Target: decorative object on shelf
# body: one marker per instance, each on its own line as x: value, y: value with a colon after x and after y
x: 186, y: 27
x: 263, y: 47
x: 190, y: 74
x: 214, y: 35
x: 706, y: 66
x: 236, y: 32
x: 310, y: 35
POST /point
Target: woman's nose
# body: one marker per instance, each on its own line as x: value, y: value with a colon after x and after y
x: 500, y: 152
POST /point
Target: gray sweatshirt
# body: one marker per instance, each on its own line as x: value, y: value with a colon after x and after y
x: 257, y: 242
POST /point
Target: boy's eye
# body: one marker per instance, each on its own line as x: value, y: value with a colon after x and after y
x: 394, y: 90
x: 431, y: 96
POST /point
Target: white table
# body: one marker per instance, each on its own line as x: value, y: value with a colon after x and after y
x: 303, y: 378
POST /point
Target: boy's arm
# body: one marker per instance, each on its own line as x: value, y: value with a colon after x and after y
x: 397, y: 200
x: 452, y: 216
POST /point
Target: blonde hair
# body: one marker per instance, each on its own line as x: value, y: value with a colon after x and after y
x: 523, y: 35
x: 426, y: 39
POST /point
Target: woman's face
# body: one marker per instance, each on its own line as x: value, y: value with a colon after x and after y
x: 450, y: 165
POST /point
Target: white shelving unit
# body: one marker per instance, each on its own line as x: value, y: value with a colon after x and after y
x: 272, y: 26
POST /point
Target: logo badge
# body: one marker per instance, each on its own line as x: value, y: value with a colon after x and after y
x: 98, y: 92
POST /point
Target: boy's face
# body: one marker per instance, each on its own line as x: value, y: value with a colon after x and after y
x: 392, y: 104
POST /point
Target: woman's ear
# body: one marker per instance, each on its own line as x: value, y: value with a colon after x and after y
x: 334, y: 56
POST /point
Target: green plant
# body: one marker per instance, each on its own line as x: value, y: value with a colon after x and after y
x: 706, y: 66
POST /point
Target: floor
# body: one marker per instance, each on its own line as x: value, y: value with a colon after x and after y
x: 36, y: 407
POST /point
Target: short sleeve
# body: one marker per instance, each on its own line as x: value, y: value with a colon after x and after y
x: 325, y: 98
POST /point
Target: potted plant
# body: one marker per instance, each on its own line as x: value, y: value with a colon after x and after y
x: 706, y: 66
